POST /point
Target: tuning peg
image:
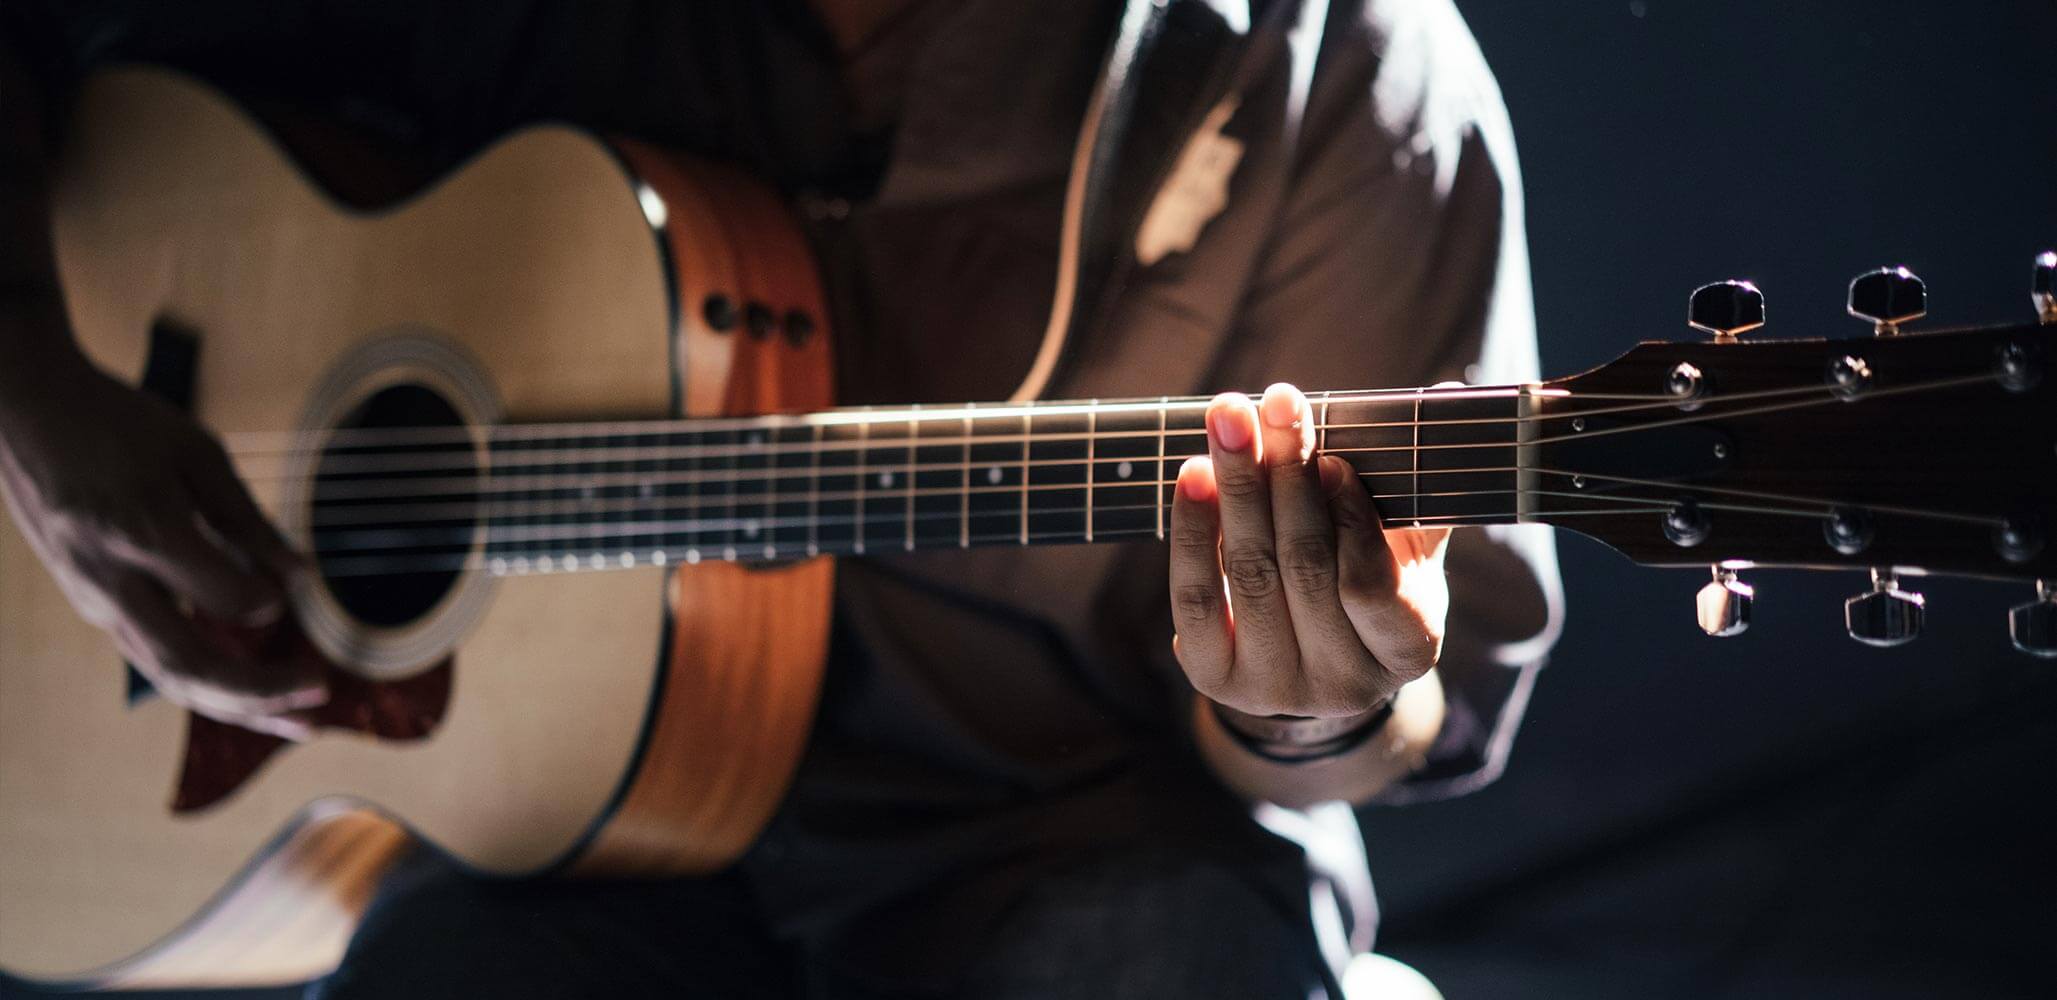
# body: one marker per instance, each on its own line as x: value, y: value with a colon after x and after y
x: 2043, y: 288
x: 2033, y: 626
x: 1725, y: 309
x: 1884, y: 616
x: 1888, y: 297
x: 1724, y: 604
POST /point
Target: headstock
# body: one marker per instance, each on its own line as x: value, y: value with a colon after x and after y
x: 1896, y: 453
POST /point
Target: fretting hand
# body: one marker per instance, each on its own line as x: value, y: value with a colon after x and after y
x: 1287, y: 594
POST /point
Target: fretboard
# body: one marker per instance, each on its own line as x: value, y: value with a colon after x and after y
x: 863, y: 481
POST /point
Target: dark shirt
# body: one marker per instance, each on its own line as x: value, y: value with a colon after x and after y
x: 993, y: 715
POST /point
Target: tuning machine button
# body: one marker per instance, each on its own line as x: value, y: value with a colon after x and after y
x: 2033, y: 626
x: 1723, y: 605
x: 2043, y: 287
x: 1726, y: 309
x: 1888, y: 297
x: 1885, y: 615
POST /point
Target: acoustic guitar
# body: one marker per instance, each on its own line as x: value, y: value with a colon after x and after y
x: 558, y: 435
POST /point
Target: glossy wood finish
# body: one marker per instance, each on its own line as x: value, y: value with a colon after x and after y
x: 747, y: 644
x: 538, y: 261
x: 284, y: 919
x: 1936, y: 430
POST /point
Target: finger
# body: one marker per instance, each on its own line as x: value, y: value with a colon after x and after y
x: 1369, y: 582
x: 226, y: 504
x: 1205, y: 642
x: 1263, y: 626
x: 1333, y: 659
x: 201, y: 571
x: 173, y: 651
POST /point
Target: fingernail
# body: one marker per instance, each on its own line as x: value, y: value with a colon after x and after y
x: 1196, y: 480
x: 266, y: 616
x: 1229, y: 424
x: 1280, y: 407
x: 283, y: 728
x: 309, y: 697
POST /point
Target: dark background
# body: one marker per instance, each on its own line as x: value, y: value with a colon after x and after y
x: 1786, y: 813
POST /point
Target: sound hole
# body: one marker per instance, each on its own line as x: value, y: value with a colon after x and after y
x: 395, y: 505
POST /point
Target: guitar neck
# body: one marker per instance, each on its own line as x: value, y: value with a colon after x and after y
x: 559, y: 497
x: 874, y: 480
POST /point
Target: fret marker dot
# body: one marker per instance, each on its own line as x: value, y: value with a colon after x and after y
x: 756, y: 439
x: 1124, y: 470
x: 659, y: 558
x: 499, y: 567
x: 750, y: 529
x: 521, y: 565
x: 885, y: 480
x: 597, y: 560
x: 628, y: 559
x: 994, y: 475
x: 693, y: 556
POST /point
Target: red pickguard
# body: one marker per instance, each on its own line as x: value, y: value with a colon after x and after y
x: 220, y: 757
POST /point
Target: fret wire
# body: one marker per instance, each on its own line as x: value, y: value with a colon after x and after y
x: 459, y: 559
x: 1417, y: 457
x: 768, y: 451
x: 1092, y: 424
x: 964, y: 480
x: 456, y: 560
x: 416, y: 487
x: 1321, y: 429
x: 1157, y: 492
x: 1818, y: 508
x: 813, y: 489
x: 575, y: 531
x: 344, y: 438
x: 692, y: 511
x: 913, y: 436
x: 551, y: 459
x: 863, y: 478
x: 735, y: 486
x: 814, y: 495
x: 1025, y: 435
x: 843, y: 415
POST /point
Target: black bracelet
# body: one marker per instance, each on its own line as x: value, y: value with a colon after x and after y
x: 1281, y: 744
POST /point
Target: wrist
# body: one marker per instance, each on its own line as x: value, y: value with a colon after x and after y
x: 1297, y: 739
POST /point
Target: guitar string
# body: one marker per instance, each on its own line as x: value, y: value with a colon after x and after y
x: 328, y: 515
x: 253, y: 442
x: 415, y: 486
x: 364, y: 489
x: 902, y: 504
x: 753, y: 525
x: 731, y: 549
x: 730, y: 515
x: 467, y: 498
x: 348, y: 463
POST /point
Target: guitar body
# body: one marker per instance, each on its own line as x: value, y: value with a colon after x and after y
x: 640, y: 721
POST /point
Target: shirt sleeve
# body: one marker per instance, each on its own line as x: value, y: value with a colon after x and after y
x: 1400, y: 260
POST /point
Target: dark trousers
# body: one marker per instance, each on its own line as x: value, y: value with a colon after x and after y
x: 1121, y: 927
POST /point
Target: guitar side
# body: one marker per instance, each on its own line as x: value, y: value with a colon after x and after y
x: 641, y: 721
